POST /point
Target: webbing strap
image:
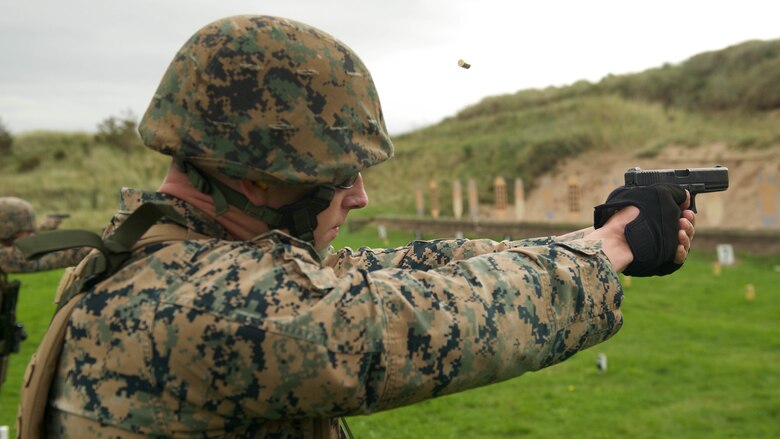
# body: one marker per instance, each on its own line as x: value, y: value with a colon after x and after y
x: 114, y: 250
x: 131, y: 230
x: 39, y: 245
x: 346, y: 428
x: 224, y: 196
x: 299, y: 217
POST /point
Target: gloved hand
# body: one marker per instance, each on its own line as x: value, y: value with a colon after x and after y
x: 653, y: 235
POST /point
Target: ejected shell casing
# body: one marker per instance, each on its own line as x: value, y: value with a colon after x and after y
x: 464, y: 64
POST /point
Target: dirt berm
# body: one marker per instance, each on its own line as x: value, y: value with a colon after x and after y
x: 752, y: 201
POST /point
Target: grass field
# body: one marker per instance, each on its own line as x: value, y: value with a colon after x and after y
x: 695, y: 359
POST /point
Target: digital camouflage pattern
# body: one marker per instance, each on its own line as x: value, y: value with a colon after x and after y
x: 16, y: 215
x: 12, y: 260
x: 262, y: 338
x: 268, y: 99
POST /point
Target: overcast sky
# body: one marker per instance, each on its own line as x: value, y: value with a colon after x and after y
x: 67, y: 65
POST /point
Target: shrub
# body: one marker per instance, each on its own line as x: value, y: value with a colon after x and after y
x: 29, y: 164
x: 6, y: 140
x: 119, y: 132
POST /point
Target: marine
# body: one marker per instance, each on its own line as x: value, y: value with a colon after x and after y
x: 233, y: 316
x: 18, y: 220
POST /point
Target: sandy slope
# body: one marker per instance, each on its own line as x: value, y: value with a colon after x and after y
x: 752, y: 200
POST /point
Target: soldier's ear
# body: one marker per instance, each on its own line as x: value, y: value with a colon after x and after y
x: 256, y: 193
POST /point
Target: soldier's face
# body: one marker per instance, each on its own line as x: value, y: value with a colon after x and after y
x: 330, y: 220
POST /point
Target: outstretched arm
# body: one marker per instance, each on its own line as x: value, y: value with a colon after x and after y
x: 13, y: 261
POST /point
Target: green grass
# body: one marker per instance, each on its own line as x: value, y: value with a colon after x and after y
x: 694, y: 359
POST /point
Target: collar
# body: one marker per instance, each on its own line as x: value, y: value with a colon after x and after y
x: 195, y: 219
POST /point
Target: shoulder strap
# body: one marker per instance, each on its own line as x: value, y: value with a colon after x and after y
x: 113, y: 253
x: 167, y: 232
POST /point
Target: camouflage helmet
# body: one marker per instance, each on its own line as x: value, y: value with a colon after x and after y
x: 16, y: 215
x: 268, y: 99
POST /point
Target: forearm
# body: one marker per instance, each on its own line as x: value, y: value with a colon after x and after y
x: 514, y: 318
x: 13, y: 261
x: 422, y: 255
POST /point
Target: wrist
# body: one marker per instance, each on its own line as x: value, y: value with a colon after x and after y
x: 612, y: 234
x: 615, y: 247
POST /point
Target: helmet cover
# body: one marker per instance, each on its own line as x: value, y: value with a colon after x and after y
x: 268, y: 99
x: 16, y: 215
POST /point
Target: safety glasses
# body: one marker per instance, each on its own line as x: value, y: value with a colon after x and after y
x: 348, y: 182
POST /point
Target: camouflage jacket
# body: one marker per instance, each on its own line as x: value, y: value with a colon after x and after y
x: 12, y: 260
x: 262, y: 338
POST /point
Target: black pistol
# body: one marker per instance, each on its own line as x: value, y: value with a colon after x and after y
x: 695, y: 180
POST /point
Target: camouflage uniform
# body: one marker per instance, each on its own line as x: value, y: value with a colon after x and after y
x: 261, y: 339
x: 12, y: 261
x: 17, y: 216
x: 206, y: 336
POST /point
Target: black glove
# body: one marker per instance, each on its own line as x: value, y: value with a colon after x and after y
x: 652, y: 236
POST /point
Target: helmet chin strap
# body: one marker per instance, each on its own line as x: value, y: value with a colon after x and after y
x: 300, y: 217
